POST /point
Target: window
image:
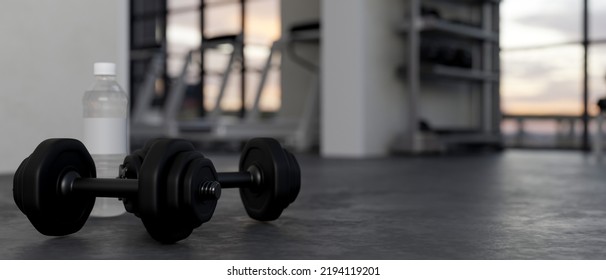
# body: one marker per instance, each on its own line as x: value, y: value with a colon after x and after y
x: 542, y: 70
x: 180, y: 26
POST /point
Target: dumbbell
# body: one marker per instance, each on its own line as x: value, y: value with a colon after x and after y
x: 56, y: 188
x: 269, y: 179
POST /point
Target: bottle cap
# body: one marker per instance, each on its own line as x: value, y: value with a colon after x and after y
x: 105, y: 68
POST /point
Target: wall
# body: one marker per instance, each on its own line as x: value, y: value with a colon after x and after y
x: 46, y: 62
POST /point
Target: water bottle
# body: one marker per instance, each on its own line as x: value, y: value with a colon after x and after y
x: 105, y: 131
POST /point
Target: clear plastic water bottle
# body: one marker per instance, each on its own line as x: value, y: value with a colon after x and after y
x: 105, y: 131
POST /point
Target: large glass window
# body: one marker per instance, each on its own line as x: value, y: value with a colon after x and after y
x: 542, y: 70
x: 187, y: 22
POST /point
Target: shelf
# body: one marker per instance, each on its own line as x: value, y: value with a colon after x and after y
x: 443, y: 71
x: 429, y: 24
x: 483, y: 46
x: 458, y: 73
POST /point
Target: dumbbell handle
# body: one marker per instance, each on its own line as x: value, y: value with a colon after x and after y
x: 243, y: 179
x: 233, y: 180
x: 102, y: 187
x: 71, y: 183
x: 106, y: 187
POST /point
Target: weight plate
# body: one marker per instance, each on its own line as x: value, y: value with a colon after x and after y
x: 279, y: 184
x: 154, y: 174
x: 132, y: 163
x: 18, y: 184
x: 294, y: 176
x: 161, y: 223
x: 175, y: 178
x: 38, y: 187
x: 130, y: 170
x: 195, y: 207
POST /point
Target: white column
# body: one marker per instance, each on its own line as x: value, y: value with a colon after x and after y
x: 363, y: 101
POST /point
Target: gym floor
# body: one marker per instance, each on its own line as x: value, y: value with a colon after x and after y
x: 513, y: 205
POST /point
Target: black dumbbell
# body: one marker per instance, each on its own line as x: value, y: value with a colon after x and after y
x: 269, y: 180
x: 269, y: 176
x: 56, y: 188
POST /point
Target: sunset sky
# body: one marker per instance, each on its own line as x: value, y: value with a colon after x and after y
x: 549, y: 81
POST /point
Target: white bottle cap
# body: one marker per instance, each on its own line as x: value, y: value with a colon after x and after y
x: 105, y: 69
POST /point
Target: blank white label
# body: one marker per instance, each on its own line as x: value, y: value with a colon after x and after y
x: 105, y: 136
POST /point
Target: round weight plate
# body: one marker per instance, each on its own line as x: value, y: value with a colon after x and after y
x: 130, y: 170
x: 162, y: 224
x: 195, y: 207
x: 133, y: 163
x: 154, y: 175
x: 18, y: 184
x: 51, y: 212
x: 294, y: 177
x: 175, y: 178
x: 266, y: 202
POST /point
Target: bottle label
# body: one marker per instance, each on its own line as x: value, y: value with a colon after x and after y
x: 105, y: 136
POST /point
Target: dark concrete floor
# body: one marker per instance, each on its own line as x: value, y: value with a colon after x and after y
x: 515, y: 205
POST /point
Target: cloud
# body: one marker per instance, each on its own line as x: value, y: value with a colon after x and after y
x: 557, y: 90
x: 568, y: 22
x: 520, y: 68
